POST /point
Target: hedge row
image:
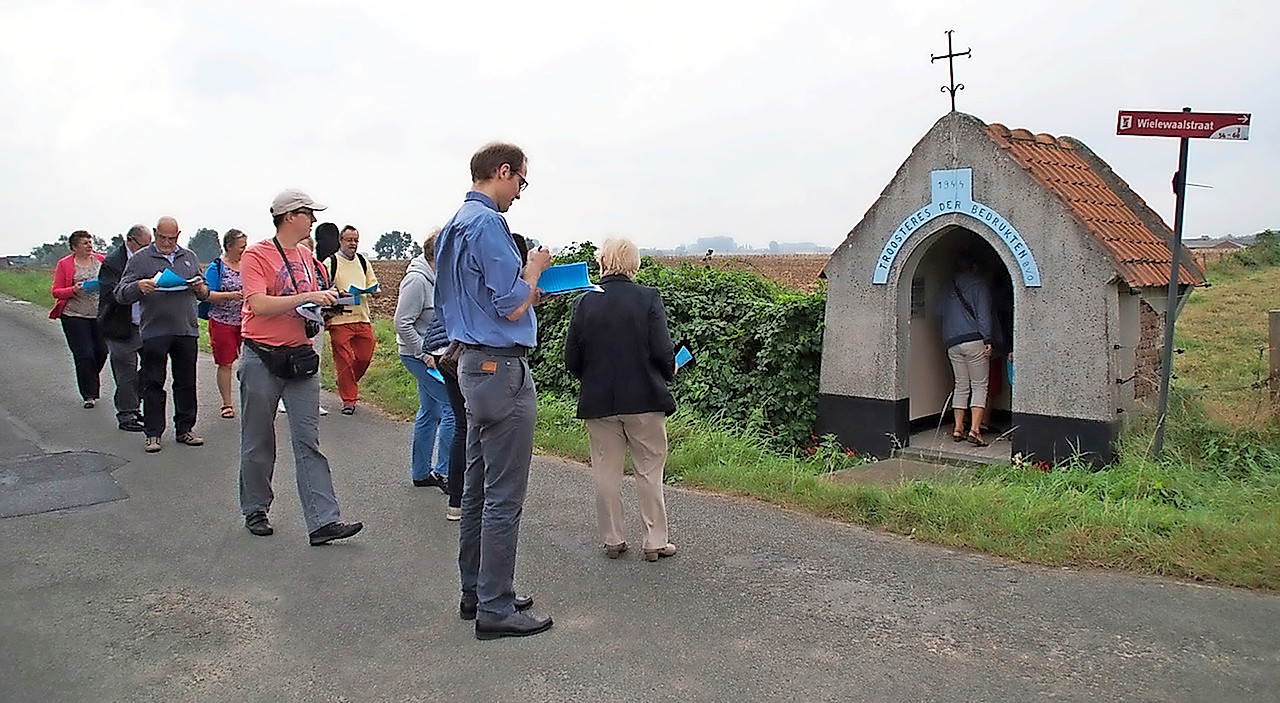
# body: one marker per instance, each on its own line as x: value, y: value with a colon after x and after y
x: 757, y: 346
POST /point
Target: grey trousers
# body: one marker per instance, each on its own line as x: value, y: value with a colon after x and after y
x: 502, y: 407
x: 124, y: 368
x: 260, y: 392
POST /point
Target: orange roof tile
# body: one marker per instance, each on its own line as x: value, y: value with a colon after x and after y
x: 1131, y: 232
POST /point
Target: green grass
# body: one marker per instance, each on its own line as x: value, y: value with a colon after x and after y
x: 1224, y: 332
x: 1209, y: 510
x: 27, y: 284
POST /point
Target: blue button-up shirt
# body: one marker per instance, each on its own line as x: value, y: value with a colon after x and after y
x: 478, y: 279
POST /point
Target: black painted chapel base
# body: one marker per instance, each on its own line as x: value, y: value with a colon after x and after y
x: 876, y: 426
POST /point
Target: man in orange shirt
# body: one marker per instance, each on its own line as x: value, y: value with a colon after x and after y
x: 279, y: 361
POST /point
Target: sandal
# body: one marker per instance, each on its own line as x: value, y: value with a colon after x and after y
x: 228, y: 412
x: 957, y: 436
x: 976, y: 439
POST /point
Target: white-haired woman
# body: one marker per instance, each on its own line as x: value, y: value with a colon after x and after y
x: 619, y: 347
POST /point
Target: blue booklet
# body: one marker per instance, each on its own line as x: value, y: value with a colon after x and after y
x: 567, y: 278
x: 91, y: 285
x: 167, y: 280
x: 435, y: 373
x: 683, y: 357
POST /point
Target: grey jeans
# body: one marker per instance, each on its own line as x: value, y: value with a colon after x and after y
x: 502, y: 407
x: 124, y: 368
x: 260, y: 393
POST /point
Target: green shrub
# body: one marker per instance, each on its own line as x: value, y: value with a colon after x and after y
x: 757, y: 347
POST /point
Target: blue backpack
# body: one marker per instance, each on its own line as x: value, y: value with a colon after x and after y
x: 202, y: 310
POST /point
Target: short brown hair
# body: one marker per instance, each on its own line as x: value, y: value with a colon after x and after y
x: 230, y: 238
x: 487, y: 161
x: 429, y: 246
x: 78, y: 234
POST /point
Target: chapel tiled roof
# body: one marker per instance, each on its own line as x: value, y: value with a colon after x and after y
x: 1131, y: 232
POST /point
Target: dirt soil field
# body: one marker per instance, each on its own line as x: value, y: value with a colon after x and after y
x: 795, y: 271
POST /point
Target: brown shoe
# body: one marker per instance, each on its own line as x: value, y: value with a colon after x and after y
x: 614, y: 550
x: 152, y: 445
x: 667, y: 550
x: 190, y: 439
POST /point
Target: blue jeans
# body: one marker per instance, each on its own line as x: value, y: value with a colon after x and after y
x: 434, y: 415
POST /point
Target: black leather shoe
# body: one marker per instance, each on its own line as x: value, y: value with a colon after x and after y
x: 258, y: 524
x: 514, y: 625
x: 467, y: 608
x: 335, y: 530
x: 433, y: 479
x: 131, y: 425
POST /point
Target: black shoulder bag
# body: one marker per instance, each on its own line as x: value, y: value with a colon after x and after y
x: 290, y: 362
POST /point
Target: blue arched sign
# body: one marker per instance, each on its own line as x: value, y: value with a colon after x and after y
x: 953, y: 193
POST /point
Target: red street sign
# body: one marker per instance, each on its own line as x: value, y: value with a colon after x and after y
x: 1195, y: 125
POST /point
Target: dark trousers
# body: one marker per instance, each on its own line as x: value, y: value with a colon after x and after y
x: 181, y: 352
x: 502, y: 408
x: 458, y: 459
x: 88, y: 349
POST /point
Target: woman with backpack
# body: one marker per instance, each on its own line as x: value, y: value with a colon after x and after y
x: 225, y: 298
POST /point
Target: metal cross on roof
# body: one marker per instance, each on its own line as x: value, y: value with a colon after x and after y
x: 950, y: 56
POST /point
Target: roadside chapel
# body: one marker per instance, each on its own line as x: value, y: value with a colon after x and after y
x: 1079, y: 269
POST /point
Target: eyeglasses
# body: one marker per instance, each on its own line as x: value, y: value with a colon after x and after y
x: 308, y: 213
x: 524, y: 182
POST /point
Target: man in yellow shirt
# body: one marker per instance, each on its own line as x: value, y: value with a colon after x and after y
x: 350, y: 332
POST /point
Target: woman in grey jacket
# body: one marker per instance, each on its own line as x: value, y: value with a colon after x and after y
x: 965, y: 309
x: 414, y: 312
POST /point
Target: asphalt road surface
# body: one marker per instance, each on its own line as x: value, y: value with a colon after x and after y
x: 129, y: 577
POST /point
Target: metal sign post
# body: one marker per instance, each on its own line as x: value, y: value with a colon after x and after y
x: 1185, y: 125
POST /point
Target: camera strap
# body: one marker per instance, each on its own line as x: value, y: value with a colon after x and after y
x: 289, y: 269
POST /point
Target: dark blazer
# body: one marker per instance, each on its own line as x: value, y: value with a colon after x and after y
x: 619, y: 347
x: 114, y: 319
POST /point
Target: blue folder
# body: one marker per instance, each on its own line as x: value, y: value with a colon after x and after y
x: 683, y: 357
x: 567, y: 278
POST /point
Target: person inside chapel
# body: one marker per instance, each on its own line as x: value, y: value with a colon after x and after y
x: 968, y: 328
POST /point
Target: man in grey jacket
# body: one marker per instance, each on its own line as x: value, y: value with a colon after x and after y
x: 415, y: 309
x: 168, y: 330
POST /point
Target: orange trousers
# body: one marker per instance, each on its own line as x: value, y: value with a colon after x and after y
x: 352, y: 345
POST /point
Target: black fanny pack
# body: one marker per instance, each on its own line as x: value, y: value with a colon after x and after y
x: 287, y: 362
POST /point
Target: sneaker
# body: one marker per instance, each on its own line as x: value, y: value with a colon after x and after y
x: 258, y: 524
x: 323, y: 412
x: 280, y: 406
x: 190, y: 439
x: 90, y: 402
x: 348, y: 410
x: 152, y: 445
x: 433, y: 479
x: 131, y: 425
x: 453, y: 514
x: 335, y: 530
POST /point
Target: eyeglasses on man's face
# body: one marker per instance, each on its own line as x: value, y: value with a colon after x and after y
x: 309, y: 214
x: 524, y: 182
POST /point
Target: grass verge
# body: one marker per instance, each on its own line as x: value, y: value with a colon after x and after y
x: 1210, y: 510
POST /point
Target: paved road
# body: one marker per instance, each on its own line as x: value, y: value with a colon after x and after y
x: 158, y: 593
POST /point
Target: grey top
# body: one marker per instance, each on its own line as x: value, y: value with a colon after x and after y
x: 958, y: 324
x: 162, y: 312
x: 415, y: 306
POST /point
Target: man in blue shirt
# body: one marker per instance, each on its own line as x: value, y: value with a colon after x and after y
x: 486, y: 299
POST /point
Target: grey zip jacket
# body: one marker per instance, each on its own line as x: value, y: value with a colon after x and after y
x: 163, y: 312
x: 415, y: 307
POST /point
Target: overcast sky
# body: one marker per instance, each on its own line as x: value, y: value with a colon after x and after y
x: 662, y: 121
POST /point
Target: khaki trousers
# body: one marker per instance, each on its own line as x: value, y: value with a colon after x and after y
x: 646, y: 435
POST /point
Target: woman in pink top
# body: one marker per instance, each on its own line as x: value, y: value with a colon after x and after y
x: 75, y: 280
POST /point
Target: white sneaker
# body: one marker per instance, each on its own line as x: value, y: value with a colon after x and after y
x: 453, y: 514
x: 323, y: 411
x: 280, y: 408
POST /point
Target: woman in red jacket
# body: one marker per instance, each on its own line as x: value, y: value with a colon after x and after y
x: 75, y: 288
